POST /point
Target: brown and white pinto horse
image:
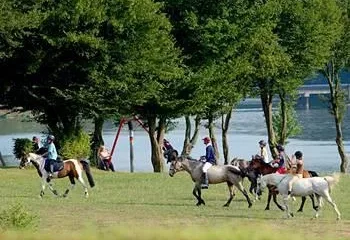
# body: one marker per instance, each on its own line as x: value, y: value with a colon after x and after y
x: 72, y: 168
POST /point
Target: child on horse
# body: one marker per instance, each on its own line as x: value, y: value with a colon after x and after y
x: 51, y: 153
x: 299, y: 168
x: 280, y: 161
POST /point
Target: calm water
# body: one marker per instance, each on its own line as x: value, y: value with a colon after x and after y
x: 247, y: 128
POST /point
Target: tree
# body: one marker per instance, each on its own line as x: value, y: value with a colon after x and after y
x: 95, y: 59
x: 210, y: 37
x: 338, y: 61
x: 291, y: 40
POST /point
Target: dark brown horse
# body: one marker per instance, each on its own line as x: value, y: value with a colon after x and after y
x: 258, y: 164
x: 252, y: 176
x: 71, y: 168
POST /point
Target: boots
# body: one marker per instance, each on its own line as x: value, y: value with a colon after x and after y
x: 51, y: 170
x: 205, y: 181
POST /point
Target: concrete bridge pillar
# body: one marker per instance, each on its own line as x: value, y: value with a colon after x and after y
x: 307, y: 100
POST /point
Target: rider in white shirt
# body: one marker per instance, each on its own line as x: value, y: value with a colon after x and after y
x: 263, y: 151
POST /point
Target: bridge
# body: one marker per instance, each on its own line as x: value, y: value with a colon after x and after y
x: 316, y: 89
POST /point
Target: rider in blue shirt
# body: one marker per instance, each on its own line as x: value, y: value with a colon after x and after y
x: 51, y: 153
x: 210, y: 160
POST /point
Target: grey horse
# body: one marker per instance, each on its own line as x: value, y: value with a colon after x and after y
x: 216, y: 174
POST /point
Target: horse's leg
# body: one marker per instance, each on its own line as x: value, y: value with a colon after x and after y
x: 43, y: 186
x: 319, y: 201
x: 81, y: 180
x: 232, y: 194
x: 331, y: 202
x: 240, y: 187
x: 197, y: 189
x: 268, y: 200
x: 274, y: 196
x: 285, y: 203
x: 49, y: 184
x: 253, y: 190
x: 72, y: 185
x: 303, y: 199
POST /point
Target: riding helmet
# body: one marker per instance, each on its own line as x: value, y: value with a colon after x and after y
x: 298, y: 154
x: 51, y: 137
x: 262, y: 142
x: 206, y: 139
x: 280, y: 148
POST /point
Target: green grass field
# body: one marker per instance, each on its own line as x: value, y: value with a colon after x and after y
x: 156, y: 206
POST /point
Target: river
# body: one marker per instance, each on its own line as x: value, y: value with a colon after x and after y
x: 317, y: 141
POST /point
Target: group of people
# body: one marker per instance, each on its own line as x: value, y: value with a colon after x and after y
x: 296, y: 162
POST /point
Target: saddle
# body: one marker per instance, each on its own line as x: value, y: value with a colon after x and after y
x: 57, y: 165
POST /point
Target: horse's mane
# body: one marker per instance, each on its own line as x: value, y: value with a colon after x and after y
x: 186, y: 157
x: 261, y: 160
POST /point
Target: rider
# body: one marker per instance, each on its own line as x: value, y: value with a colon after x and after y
x: 210, y: 160
x: 263, y: 151
x: 51, y: 153
x: 166, y: 148
x: 36, y: 143
x: 280, y: 160
x: 299, y: 162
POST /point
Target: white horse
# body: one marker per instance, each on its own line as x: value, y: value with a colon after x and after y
x: 320, y: 186
x: 71, y: 168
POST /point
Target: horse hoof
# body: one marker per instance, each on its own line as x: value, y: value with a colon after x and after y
x: 267, y: 208
x: 250, y: 205
x: 292, y: 214
x: 300, y: 210
x: 338, y: 218
x: 226, y: 205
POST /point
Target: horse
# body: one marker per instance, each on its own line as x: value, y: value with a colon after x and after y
x: 71, y: 168
x: 252, y: 176
x: 216, y: 174
x: 258, y: 164
x: 319, y: 186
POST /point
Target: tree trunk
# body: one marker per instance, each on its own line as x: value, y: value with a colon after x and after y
x: 266, y: 102
x: 284, y: 118
x: 212, y: 137
x: 337, y: 105
x: 156, y: 151
x: 2, y: 160
x: 190, y: 141
x: 97, y: 140
x: 225, y: 123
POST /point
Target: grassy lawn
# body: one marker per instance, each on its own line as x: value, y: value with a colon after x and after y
x: 156, y: 206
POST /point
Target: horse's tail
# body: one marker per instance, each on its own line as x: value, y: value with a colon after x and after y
x: 332, y: 180
x: 313, y: 173
x: 87, y: 170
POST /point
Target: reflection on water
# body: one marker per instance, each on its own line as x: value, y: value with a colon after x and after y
x: 247, y: 128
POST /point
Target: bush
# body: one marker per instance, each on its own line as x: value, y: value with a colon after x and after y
x: 22, y: 146
x: 77, y: 147
x: 17, y: 217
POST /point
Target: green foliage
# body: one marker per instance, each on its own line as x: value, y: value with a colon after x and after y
x: 21, y: 147
x: 77, y: 146
x: 17, y: 217
x: 293, y: 126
